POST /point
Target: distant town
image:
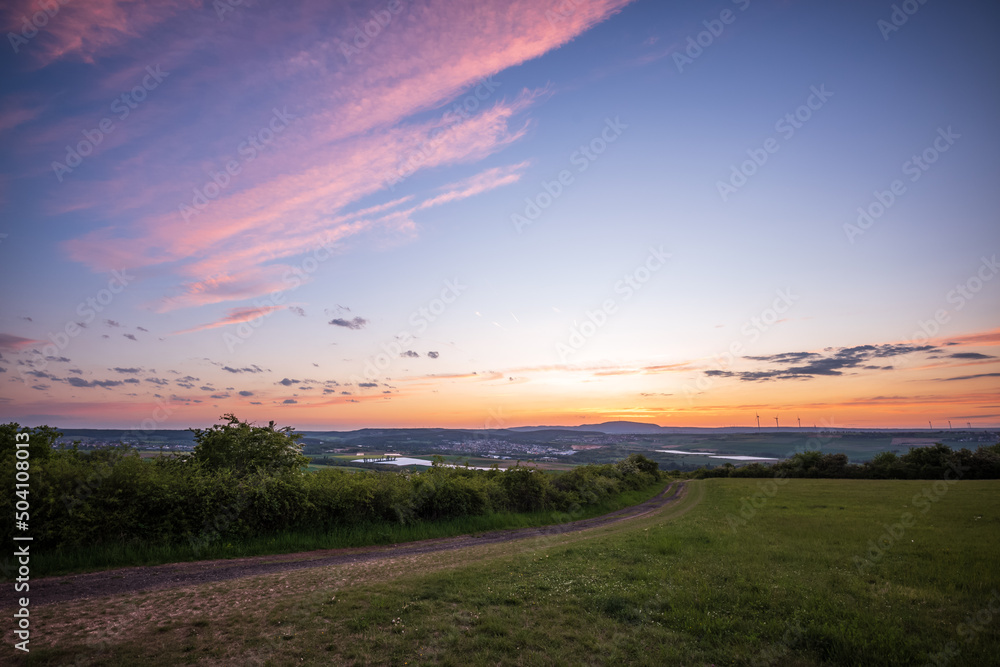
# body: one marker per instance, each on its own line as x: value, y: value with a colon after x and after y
x: 682, y: 449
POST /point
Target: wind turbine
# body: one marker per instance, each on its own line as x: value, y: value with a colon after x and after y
x: 970, y: 424
x: 776, y: 423
x: 929, y: 426
x: 758, y: 421
x: 949, y: 424
x: 800, y: 422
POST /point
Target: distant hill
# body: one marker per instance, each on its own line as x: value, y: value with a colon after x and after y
x: 637, y: 428
x: 609, y: 428
x: 411, y: 437
x: 642, y: 428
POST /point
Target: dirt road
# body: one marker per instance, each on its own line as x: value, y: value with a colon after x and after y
x: 53, y: 590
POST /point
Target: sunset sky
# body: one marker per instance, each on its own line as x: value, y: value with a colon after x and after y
x: 499, y: 213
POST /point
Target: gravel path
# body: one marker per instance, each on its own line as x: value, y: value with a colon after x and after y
x: 52, y: 590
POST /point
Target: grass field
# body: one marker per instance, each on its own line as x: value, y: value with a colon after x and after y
x: 697, y: 583
x: 313, y: 467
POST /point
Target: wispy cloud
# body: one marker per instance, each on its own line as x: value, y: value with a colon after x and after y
x: 235, y: 316
x: 354, y: 126
x: 13, y: 343
x: 981, y: 338
x: 970, y: 377
x: 86, y: 28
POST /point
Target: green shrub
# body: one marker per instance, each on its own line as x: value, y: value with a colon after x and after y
x: 245, y: 481
x: 246, y: 448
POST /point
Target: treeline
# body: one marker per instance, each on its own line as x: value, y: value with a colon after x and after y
x: 936, y: 462
x: 245, y: 481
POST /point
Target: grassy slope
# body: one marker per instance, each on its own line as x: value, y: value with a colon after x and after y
x: 678, y: 587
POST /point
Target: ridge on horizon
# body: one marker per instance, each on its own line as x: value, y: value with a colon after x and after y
x: 609, y: 427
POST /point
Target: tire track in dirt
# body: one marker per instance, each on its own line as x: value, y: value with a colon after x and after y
x: 53, y: 590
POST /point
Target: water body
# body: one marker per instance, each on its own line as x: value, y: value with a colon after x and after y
x: 714, y: 456
x: 406, y: 461
x: 744, y: 458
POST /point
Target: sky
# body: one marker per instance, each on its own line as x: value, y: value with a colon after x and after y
x: 487, y: 214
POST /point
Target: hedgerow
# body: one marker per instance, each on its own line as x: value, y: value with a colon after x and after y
x: 245, y: 481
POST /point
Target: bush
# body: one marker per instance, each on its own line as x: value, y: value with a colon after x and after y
x: 246, y: 448
x: 935, y: 462
x: 246, y: 481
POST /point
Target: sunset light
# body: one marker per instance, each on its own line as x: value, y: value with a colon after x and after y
x: 426, y: 213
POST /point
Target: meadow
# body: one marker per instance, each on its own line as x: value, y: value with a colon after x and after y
x: 738, y: 572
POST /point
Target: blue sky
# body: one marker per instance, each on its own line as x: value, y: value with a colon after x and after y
x: 531, y: 321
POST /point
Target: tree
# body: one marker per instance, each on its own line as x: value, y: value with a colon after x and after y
x: 246, y: 448
x: 40, y: 439
x: 885, y: 465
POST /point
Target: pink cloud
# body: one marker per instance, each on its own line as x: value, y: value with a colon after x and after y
x: 235, y: 316
x: 14, y: 343
x: 286, y: 215
x: 227, y: 287
x: 474, y: 185
x: 980, y: 338
x: 13, y: 115
x: 441, y: 48
x: 351, y: 138
x: 86, y: 28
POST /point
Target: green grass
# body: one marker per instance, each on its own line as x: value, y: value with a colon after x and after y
x: 313, y: 467
x: 106, y: 556
x: 688, y: 585
x: 782, y: 589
